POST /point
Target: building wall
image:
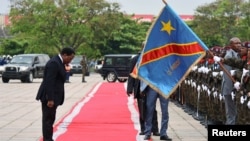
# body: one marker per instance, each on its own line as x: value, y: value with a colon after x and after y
x: 4, y: 20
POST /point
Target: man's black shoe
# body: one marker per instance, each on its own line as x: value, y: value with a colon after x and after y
x: 156, y: 133
x: 147, y: 137
x: 165, y: 138
x: 142, y: 133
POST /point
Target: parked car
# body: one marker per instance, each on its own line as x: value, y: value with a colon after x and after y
x: 98, y: 65
x: 76, y: 67
x: 116, y: 67
x: 25, y: 67
x: 5, y: 59
x: 1, y: 70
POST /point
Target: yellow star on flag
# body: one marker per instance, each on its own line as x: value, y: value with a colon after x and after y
x: 167, y: 27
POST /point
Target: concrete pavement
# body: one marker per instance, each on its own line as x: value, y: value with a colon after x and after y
x: 20, y: 113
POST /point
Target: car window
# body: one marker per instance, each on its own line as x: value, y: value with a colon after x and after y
x: 46, y: 58
x: 99, y: 62
x: 22, y: 60
x: 76, y: 60
x: 108, y: 61
x: 36, y: 59
x: 121, y: 61
x: 41, y: 59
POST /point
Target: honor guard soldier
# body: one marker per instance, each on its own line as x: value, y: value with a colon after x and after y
x: 84, y: 68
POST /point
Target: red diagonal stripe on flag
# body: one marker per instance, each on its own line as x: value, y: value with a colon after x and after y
x: 134, y: 72
x: 169, y: 49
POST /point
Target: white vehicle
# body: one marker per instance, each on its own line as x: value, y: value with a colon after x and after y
x: 98, y: 65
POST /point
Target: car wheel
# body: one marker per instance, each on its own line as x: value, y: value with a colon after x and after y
x: 111, y: 77
x: 5, y: 80
x: 30, y: 78
x: 122, y: 80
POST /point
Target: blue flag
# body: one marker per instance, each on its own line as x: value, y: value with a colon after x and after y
x: 171, y: 50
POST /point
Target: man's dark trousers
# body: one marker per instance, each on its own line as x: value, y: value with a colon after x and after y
x: 48, y: 119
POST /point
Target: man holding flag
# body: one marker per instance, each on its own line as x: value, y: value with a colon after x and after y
x: 133, y: 87
x: 171, y: 50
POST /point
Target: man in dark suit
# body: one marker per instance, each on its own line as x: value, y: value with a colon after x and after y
x: 133, y: 86
x: 51, y: 90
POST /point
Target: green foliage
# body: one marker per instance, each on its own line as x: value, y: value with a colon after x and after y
x: 129, y: 37
x: 12, y: 47
x: 217, y: 22
x: 91, y: 27
x: 48, y: 26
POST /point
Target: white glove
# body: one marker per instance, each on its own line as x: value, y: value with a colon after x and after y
x: 232, y: 72
x: 237, y: 85
x: 217, y: 59
x: 243, y: 99
x: 245, y: 71
x: 248, y: 104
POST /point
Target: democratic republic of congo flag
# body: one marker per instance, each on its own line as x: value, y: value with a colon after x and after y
x: 171, y: 50
x: 134, y: 72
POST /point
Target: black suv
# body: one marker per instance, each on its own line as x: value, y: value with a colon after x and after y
x: 25, y: 67
x: 116, y: 67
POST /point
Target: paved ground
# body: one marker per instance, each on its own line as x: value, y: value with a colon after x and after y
x: 20, y: 113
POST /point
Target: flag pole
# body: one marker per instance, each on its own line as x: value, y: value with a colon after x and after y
x: 164, y: 2
x: 223, y: 68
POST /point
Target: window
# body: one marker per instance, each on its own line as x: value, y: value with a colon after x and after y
x: 108, y: 61
x: 121, y: 61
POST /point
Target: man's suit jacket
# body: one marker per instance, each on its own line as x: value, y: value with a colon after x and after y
x: 227, y: 83
x: 133, y: 85
x: 52, y: 86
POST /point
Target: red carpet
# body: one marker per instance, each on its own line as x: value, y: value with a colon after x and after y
x: 106, y: 113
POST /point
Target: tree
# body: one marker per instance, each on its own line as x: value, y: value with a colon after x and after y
x: 91, y: 27
x: 217, y: 22
x: 129, y: 37
x: 12, y: 47
x: 48, y: 26
x: 244, y: 23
